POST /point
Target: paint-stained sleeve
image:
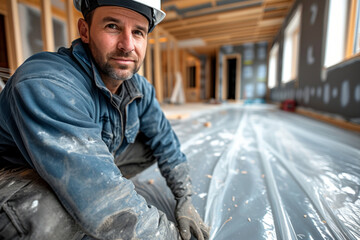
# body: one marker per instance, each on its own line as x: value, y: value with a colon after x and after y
x: 58, y: 136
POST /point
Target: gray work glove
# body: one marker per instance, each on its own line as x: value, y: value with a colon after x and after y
x: 189, y: 221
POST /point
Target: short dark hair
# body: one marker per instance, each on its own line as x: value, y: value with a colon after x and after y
x: 89, y: 17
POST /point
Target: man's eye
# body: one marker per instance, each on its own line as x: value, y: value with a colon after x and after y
x: 137, y: 32
x: 111, y: 26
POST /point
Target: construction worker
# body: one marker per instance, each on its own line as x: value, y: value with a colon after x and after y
x: 78, y: 124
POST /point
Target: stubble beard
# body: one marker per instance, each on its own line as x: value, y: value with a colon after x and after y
x: 119, y: 73
x: 116, y: 71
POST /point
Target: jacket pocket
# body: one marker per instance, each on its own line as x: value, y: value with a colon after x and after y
x: 132, y: 131
x: 106, y: 132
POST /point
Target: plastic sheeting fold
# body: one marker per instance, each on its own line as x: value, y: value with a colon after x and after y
x: 261, y: 173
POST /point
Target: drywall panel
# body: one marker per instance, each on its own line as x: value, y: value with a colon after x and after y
x: 335, y: 90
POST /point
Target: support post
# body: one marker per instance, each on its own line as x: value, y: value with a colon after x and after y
x: 148, y: 62
x: 71, y: 27
x: 157, y: 59
x: 169, y: 66
x: 47, y: 26
x: 13, y: 29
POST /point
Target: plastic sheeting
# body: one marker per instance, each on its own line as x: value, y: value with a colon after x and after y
x: 261, y: 173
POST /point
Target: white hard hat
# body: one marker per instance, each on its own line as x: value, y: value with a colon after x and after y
x: 151, y: 9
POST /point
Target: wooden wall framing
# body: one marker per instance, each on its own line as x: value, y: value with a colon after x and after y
x: 153, y: 69
x: 162, y: 62
x: 9, y: 9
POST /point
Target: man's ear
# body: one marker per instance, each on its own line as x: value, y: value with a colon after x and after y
x: 84, y: 32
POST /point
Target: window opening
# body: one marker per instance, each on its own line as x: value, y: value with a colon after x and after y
x: 273, y: 64
x: 291, y: 48
x: 336, y: 32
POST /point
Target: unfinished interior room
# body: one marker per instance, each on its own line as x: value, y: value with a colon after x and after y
x: 262, y: 95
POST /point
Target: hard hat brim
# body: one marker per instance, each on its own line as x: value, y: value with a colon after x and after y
x: 135, y: 5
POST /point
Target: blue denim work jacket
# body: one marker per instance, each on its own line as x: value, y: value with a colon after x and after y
x: 58, y: 117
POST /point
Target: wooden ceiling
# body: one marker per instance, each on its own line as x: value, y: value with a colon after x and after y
x: 213, y: 23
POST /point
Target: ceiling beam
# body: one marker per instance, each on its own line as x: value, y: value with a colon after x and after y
x: 223, y: 8
x: 233, y: 14
x: 233, y: 23
x: 184, y: 3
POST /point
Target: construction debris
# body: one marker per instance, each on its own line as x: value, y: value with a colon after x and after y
x: 207, y: 124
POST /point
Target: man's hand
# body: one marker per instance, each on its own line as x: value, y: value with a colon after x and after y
x: 190, y: 221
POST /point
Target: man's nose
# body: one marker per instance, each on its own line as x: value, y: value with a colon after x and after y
x: 126, y: 42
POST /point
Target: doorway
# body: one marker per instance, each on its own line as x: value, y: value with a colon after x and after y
x: 4, y: 63
x: 192, y: 81
x: 231, y: 77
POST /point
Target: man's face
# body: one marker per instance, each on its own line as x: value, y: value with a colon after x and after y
x: 117, y: 40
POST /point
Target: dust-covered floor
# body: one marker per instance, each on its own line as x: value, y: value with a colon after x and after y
x: 261, y: 173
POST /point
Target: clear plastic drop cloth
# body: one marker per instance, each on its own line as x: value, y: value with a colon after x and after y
x: 262, y: 173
